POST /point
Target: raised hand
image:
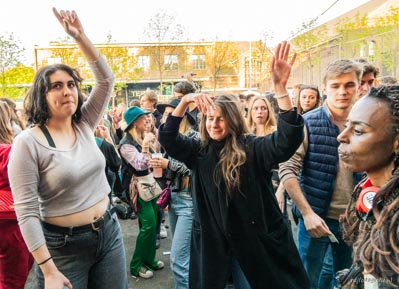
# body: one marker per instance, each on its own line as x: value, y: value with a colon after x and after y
x: 70, y: 21
x: 204, y: 102
x: 280, y: 66
x: 148, y: 137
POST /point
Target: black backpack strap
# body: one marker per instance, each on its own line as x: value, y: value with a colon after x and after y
x: 47, y: 135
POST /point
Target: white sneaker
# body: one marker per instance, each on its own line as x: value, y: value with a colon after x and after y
x: 160, y: 265
x: 145, y: 273
x: 163, y: 233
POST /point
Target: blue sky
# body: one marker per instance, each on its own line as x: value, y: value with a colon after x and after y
x: 32, y: 22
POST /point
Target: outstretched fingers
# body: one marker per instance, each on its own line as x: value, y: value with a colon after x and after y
x: 286, y: 50
x: 293, y: 59
x: 58, y: 15
x: 205, y: 103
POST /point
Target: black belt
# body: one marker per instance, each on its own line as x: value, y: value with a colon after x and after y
x: 95, y: 226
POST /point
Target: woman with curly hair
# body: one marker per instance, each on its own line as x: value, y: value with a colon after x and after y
x: 370, y: 144
x: 57, y: 177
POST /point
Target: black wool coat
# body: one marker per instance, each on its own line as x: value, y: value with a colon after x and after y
x: 251, y: 227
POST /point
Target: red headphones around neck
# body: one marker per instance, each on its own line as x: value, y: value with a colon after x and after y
x: 365, y: 200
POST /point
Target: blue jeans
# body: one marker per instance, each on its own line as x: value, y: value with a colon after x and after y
x: 239, y: 279
x: 313, y: 250
x: 181, y: 221
x: 90, y: 260
x: 327, y: 274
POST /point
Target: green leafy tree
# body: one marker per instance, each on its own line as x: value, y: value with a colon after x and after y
x: 375, y: 39
x: 119, y: 59
x: 11, y: 54
x: 19, y: 79
x: 306, y: 41
x: 123, y: 64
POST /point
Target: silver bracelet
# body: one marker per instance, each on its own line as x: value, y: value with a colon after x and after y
x: 281, y: 96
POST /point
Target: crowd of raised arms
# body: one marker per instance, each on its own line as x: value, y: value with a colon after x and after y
x: 235, y: 173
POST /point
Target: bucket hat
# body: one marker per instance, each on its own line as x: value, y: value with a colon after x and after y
x: 132, y: 114
x: 173, y: 103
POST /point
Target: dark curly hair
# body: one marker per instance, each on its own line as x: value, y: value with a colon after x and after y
x: 35, y: 103
x: 184, y: 87
x: 376, y: 240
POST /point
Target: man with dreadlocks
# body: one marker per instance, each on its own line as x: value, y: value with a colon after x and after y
x: 370, y: 143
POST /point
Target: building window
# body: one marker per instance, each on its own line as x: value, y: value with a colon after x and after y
x: 198, y: 61
x: 143, y: 61
x: 371, y: 51
x: 170, y: 62
x: 53, y: 60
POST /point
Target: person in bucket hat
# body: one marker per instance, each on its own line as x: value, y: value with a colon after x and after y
x: 135, y: 149
x: 131, y: 115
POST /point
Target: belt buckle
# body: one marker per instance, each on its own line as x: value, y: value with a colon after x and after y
x: 97, y: 224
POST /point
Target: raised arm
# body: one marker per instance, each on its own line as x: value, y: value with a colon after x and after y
x: 72, y: 25
x: 280, y: 72
x: 93, y: 109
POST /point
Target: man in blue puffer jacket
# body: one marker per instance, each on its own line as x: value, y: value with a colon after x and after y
x: 317, y: 181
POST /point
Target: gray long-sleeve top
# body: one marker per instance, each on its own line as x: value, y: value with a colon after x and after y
x: 51, y: 182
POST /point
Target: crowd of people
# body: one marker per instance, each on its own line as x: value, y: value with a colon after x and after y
x: 231, y: 162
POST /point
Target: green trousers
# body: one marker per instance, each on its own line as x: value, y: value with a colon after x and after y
x: 144, y: 253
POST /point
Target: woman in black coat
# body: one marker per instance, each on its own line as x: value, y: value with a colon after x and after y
x: 238, y: 228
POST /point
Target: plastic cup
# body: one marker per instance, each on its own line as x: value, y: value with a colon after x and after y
x: 157, y: 172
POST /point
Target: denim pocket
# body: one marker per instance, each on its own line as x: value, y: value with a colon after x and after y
x: 55, y: 241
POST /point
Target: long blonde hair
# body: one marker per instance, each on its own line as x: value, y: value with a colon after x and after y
x: 270, y: 124
x: 232, y: 156
x: 6, y: 132
x: 185, y: 126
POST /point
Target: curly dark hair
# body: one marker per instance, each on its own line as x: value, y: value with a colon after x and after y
x: 35, y: 103
x: 376, y: 240
x: 184, y: 87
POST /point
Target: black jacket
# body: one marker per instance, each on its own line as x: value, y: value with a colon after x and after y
x: 251, y: 227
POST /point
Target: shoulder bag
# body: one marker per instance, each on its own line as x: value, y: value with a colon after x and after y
x: 164, y: 199
x: 146, y: 187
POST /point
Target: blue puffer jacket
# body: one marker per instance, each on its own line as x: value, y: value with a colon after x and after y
x: 320, y: 166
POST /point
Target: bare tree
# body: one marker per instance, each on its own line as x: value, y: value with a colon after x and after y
x: 263, y: 54
x: 162, y: 28
x: 222, y: 58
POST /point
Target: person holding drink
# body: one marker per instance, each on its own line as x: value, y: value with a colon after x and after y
x: 157, y: 165
x: 135, y: 150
